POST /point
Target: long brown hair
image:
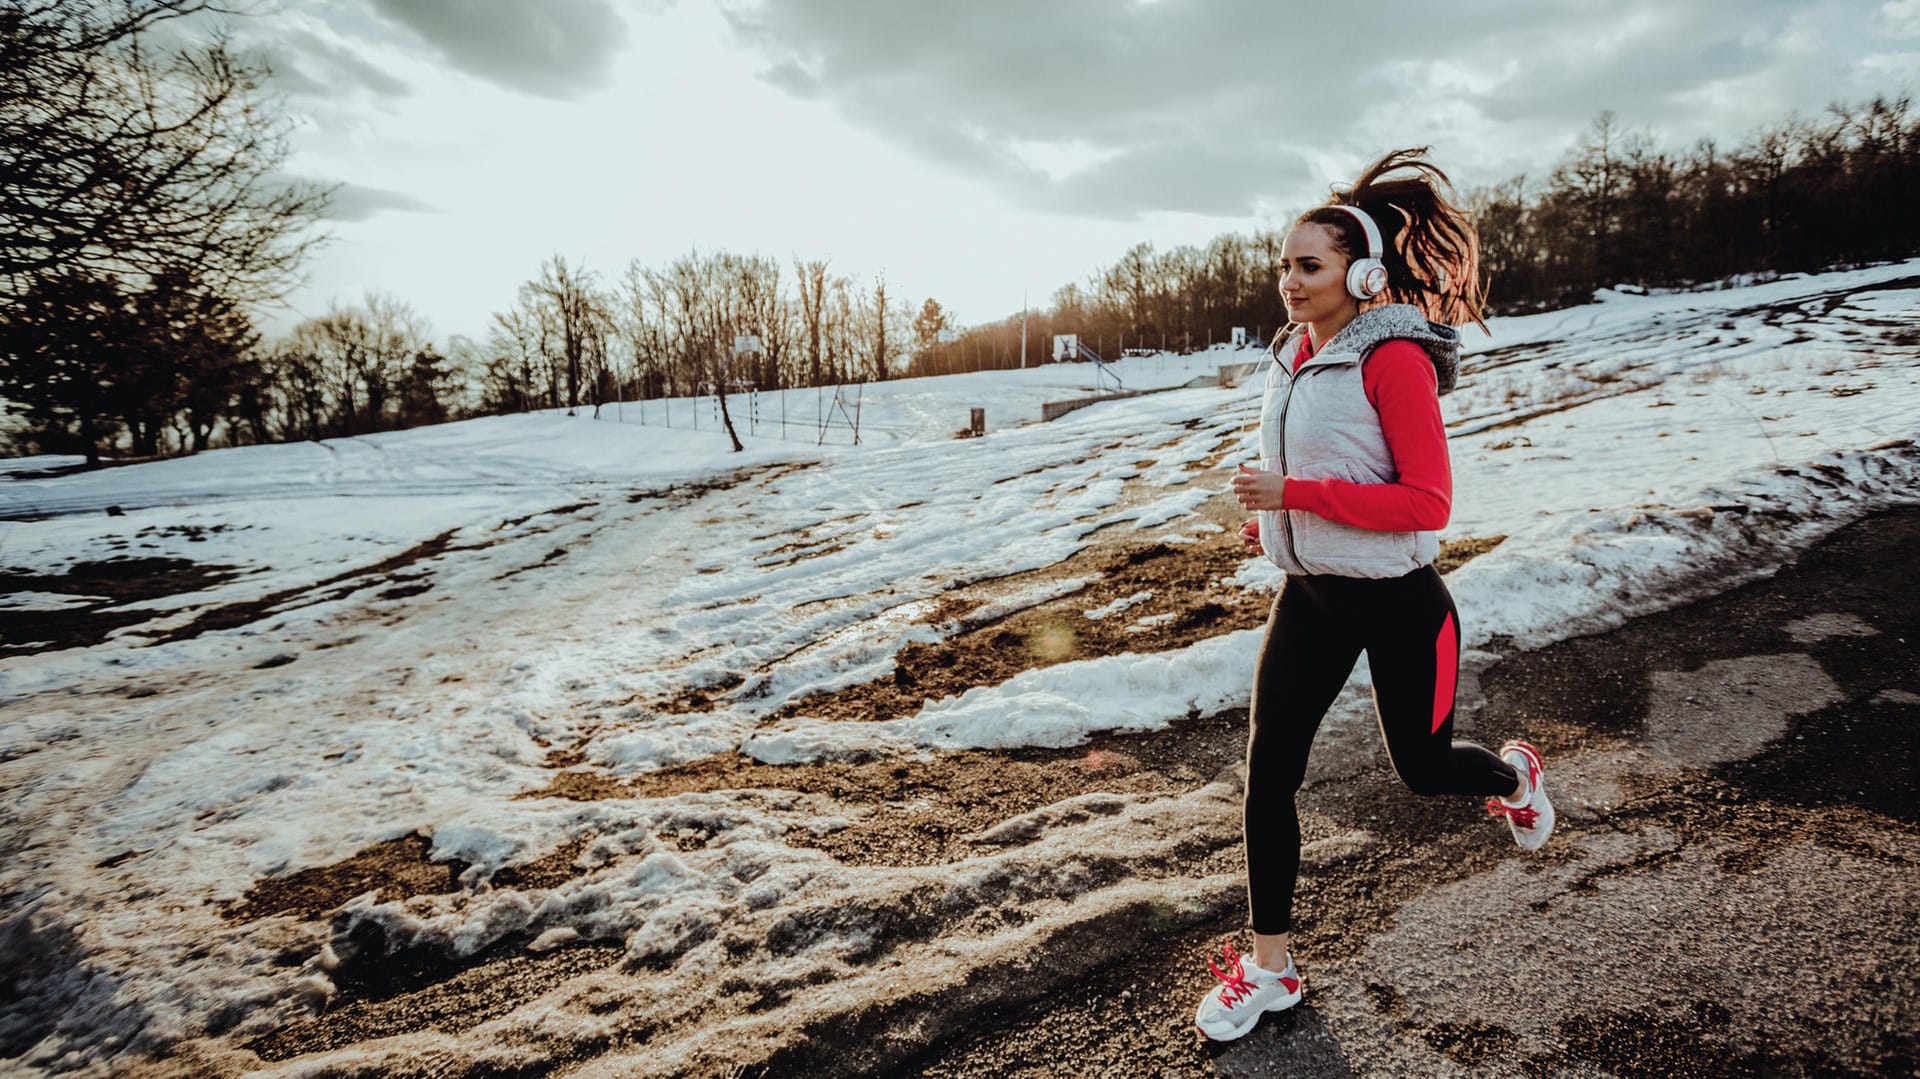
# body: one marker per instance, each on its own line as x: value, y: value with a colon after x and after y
x: 1431, y: 249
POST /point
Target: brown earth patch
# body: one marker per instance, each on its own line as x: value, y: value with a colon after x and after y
x: 395, y: 869
x: 920, y: 811
x: 546, y: 871
x: 114, y: 587
x: 1457, y: 553
x: 702, y: 698
x: 1190, y: 602
x: 338, y: 586
x: 461, y: 1000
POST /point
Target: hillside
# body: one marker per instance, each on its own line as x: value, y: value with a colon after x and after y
x: 544, y: 740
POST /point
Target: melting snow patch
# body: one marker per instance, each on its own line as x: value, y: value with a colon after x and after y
x: 45, y: 601
x: 1119, y: 605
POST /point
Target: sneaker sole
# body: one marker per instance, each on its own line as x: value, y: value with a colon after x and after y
x: 1241, y: 1031
x: 1543, y: 829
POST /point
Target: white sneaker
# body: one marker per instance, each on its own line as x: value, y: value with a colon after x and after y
x: 1531, y: 816
x: 1245, y: 994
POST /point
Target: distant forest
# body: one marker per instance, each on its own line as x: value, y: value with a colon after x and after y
x: 143, y: 218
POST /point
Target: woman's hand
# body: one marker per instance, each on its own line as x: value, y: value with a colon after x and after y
x: 1259, y: 490
x: 1250, y: 535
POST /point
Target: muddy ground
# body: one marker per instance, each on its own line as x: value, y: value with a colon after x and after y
x: 1733, y: 889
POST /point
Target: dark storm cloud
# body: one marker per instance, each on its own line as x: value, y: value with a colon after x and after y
x: 305, y: 64
x: 1211, y: 107
x: 1195, y: 174
x: 552, y: 48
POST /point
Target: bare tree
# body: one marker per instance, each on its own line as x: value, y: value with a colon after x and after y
x: 701, y: 317
x: 512, y: 344
x: 126, y: 159
x: 838, y: 330
x: 536, y: 318
x: 396, y: 336
x: 642, y: 321
x: 569, y: 293
x: 469, y: 369
x: 754, y: 283
x: 300, y: 374
x: 812, y: 277
x: 341, y: 340
x: 598, y: 331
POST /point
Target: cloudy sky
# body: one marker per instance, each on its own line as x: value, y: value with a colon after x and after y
x: 969, y: 151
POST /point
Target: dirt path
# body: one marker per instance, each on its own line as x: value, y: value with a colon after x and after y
x: 1733, y: 890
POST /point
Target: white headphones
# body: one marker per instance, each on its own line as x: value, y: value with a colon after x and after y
x: 1367, y: 277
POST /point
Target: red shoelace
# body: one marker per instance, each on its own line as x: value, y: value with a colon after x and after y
x: 1521, y: 815
x: 1235, y: 976
x: 1237, y: 986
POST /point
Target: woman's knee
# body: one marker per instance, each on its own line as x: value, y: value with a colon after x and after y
x: 1423, y: 779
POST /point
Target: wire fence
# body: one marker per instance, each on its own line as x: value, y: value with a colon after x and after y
x: 823, y: 415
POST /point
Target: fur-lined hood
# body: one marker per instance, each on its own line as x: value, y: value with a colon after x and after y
x: 1395, y: 321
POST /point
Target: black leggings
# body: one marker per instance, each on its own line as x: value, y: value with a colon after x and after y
x: 1320, y: 625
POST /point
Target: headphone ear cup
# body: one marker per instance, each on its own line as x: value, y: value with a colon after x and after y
x: 1366, y: 278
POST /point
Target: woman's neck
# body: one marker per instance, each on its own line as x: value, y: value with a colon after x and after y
x: 1319, y: 333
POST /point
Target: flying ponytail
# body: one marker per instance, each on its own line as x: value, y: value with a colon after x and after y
x: 1432, y: 251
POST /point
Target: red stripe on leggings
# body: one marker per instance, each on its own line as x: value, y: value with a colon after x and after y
x: 1446, y: 663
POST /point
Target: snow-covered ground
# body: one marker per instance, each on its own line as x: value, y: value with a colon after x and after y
x: 570, y: 581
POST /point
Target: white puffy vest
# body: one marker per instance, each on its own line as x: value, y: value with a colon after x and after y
x: 1318, y: 423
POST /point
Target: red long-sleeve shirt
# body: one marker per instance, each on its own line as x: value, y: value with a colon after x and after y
x: 1401, y: 384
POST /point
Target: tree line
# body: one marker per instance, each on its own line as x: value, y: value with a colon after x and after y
x: 1802, y: 195
x: 705, y: 323
x: 143, y: 216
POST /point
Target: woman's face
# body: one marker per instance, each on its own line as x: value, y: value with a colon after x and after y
x: 1313, y: 276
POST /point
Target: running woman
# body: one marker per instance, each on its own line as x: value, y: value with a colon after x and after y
x: 1353, y: 486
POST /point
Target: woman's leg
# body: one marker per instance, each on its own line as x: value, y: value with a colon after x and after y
x: 1413, y: 647
x: 1305, y: 658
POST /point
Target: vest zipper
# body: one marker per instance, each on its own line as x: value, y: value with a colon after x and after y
x: 1286, y: 519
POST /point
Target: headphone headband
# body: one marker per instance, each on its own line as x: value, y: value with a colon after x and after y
x: 1366, y: 277
x: 1375, y: 249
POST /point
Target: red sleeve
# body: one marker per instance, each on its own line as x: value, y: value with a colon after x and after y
x: 1400, y: 382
